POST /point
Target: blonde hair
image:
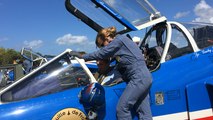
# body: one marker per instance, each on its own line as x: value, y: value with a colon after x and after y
x: 103, y: 34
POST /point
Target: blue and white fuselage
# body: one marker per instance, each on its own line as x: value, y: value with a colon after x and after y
x: 179, y: 56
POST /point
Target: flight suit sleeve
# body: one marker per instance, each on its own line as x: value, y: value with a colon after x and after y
x: 105, y: 52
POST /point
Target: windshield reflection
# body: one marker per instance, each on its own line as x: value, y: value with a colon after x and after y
x: 202, y: 33
x: 57, y: 76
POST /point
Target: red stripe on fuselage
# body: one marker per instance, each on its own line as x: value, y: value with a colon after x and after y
x: 206, y: 118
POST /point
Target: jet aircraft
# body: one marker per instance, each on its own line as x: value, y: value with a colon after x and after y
x: 179, y: 56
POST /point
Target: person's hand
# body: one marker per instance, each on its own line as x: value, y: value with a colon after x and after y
x: 75, y: 54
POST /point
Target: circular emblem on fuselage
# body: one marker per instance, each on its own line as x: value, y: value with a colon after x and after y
x: 69, y: 114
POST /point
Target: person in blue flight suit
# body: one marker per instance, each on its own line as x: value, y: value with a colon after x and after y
x: 134, y: 72
x: 27, y: 65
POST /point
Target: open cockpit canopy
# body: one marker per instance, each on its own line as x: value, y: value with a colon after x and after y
x: 125, y: 15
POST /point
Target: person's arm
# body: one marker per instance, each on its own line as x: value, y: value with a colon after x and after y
x: 105, y: 52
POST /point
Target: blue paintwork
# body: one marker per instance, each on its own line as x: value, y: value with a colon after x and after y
x: 175, y: 79
x: 45, y: 107
x: 178, y: 76
x: 195, y: 101
x: 185, y: 83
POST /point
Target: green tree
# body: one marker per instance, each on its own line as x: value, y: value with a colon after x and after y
x: 7, y: 56
x: 2, y: 52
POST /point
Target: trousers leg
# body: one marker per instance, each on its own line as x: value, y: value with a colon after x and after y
x: 143, y: 109
x: 133, y: 91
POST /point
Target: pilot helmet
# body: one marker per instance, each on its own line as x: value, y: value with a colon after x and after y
x: 92, y: 96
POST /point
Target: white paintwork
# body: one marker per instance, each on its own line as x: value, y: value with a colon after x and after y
x: 86, y: 69
x: 176, y: 116
x: 150, y: 23
x: 200, y: 114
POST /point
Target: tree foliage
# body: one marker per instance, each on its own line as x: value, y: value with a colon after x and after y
x: 7, y: 56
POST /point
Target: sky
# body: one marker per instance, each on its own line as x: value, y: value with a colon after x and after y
x: 46, y: 27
